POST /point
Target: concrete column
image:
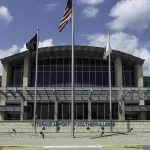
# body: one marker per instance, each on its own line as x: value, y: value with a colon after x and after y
x: 2, y: 116
x: 56, y: 111
x: 6, y: 81
x: 27, y: 72
x: 22, y: 111
x: 119, y: 83
x: 6, y: 75
x: 138, y: 75
x: 118, y: 72
x: 89, y: 110
x: 142, y: 114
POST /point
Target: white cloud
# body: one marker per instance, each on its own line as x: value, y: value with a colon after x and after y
x: 51, y: 6
x: 90, y: 2
x: 134, y: 14
x: 45, y: 43
x: 90, y: 12
x: 5, y: 53
x: 123, y: 42
x: 5, y: 14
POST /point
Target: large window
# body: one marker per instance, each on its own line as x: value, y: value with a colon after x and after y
x: 101, y: 111
x: 17, y: 76
x: 57, y: 72
x: 80, y: 111
x: 128, y: 75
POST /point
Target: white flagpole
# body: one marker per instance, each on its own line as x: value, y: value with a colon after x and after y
x: 72, y: 104
x: 35, y: 99
x: 110, y: 84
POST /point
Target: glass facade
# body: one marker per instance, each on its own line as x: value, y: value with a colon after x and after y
x: 57, y: 72
x: 17, y: 76
x: 128, y: 75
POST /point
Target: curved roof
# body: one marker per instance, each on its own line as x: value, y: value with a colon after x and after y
x: 80, y: 51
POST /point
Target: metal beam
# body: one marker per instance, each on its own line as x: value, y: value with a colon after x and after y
x: 28, y: 92
x: 11, y: 93
x: 20, y: 94
x: 4, y: 94
x: 47, y: 95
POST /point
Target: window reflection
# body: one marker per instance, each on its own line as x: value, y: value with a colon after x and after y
x: 57, y: 72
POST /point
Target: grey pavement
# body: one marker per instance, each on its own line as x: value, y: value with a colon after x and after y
x: 82, y: 139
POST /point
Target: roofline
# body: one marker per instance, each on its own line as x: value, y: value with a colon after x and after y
x: 27, y: 52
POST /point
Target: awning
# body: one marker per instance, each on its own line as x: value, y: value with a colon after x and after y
x: 137, y: 108
x: 80, y: 94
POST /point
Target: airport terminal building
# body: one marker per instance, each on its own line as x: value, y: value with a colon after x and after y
x: 130, y: 90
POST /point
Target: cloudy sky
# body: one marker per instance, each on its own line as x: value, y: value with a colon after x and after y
x: 129, y: 21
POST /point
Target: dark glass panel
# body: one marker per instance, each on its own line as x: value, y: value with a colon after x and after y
x: 85, y: 110
x: 105, y: 68
x: 105, y: 79
x: 46, y: 78
x: 79, y: 79
x: 132, y: 79
x: 59, y: 78
x: 79, y: 68
x: 146, y: 84
x: 98, y: 62
x: 53, y: 79
x: 51, y: 111
x: 66, y: 68
x: 85, y: 62
x: 47, y: 62
x: 92, y: 79
x: 32, y: 79
x: 40, y: 62
x: 59, y: 61
x: 53, y: 61
x: 47, y: 68
x: 40, y: 68
x: 66, y: 61
x: 127, y: 79
x: 66, y: 79
x: 106, y: 105
x: 40, y: 79
x: 60, y: 113
x: 18, y: 68
x: 79, y: 61
x: 100, y: 111
x: 44, y: 111
x: 33, y: 62
x: 66, y: 112
x: 94, y: 111
x: 113, y: 79
x: 92, y: 62
x: 79, y: 111
x: 39, y: 110
x: 104, y: 63
x: 33, y: 68
x: 85, y: 79
x: 98, y: 68
x: 98, y: 78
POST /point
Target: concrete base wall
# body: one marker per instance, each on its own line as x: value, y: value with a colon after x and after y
x: 50, y: 127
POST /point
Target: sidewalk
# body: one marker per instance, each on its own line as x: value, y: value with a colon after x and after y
x: 81, y: 139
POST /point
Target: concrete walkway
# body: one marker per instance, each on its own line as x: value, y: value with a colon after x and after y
x: 80, y: 140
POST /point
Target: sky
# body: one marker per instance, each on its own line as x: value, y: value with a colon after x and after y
x: 128, y: 20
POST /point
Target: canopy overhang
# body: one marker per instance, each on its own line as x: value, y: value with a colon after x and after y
x: 45, y: 94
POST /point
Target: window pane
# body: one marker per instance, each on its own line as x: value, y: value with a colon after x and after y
x: 92, y: 79
x: 100, y: 111
x: 47, y: 62
x: 80, y: 111
x: 46, y: 78
x: 53, y: 79
x: 105, y: 79
x: 86, y: 79
x: 94, y: 110
x: 51, y: 111
x: 40, y: 79
x: 85, y: 110
x: 59, y: 78
x: 60, y: 111
x: 79, y: 79
x: 98, y: 78
x: 66, y: 112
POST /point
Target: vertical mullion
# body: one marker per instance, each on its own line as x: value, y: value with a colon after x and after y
x: 62, y: 111
x: 48, y: 111
x: 83, y: 110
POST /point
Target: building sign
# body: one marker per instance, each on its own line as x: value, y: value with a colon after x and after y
x: 76, y: 124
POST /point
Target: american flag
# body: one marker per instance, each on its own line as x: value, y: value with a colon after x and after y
x: 67, y: 16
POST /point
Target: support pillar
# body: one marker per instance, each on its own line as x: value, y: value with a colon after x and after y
x: 22, y: 111
x: 27, y: 72
x: 119, y: 83
x: 6, y: 81
x: 56, y: 111
x: 89, y: 110
x: 138, y: 75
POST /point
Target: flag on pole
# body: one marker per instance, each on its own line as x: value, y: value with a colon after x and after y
x: 108, y: 49
x: 32, y: 44
x: 67, y: 16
